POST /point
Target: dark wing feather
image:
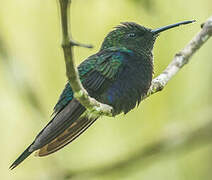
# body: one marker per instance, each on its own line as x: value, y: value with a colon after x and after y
x: 68, y: 122
x: 105, y: 68
x: 58, y: 124
x: 66, y: 96
x: 109, y: 63
x: 94, y: 72
x: 75, y: 130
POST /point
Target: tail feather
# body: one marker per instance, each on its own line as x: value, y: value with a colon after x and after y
x: 75, y: 130
x: 21, y: 158
x: 66, y: 126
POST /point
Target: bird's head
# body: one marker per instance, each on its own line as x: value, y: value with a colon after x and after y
x: 135, y: 37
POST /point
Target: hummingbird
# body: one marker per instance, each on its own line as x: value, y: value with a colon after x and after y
x: 119, y: 75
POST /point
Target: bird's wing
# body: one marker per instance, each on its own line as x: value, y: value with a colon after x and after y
x: 105, y: 67
x: 68, y: 122
x: 67, y: 95
x: 109, y: 64
x: 96, y: 71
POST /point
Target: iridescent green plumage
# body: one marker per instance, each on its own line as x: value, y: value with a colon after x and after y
x: 94, y: 71
x: 128, y: 45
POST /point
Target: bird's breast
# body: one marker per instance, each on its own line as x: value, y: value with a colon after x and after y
x: 130, y: 85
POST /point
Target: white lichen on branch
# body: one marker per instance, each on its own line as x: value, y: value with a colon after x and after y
x: 99, y: 109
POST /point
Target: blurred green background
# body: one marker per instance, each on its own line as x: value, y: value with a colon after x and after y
x: 32, y: 75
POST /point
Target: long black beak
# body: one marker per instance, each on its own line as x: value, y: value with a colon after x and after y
x: 161, y: 29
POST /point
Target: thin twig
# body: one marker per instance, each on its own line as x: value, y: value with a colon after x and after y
x: 80, y: 93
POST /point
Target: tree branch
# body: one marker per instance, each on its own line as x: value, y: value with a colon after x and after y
x: 95, y: 107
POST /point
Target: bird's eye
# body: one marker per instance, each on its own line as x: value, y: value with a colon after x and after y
x: 131, y: 35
